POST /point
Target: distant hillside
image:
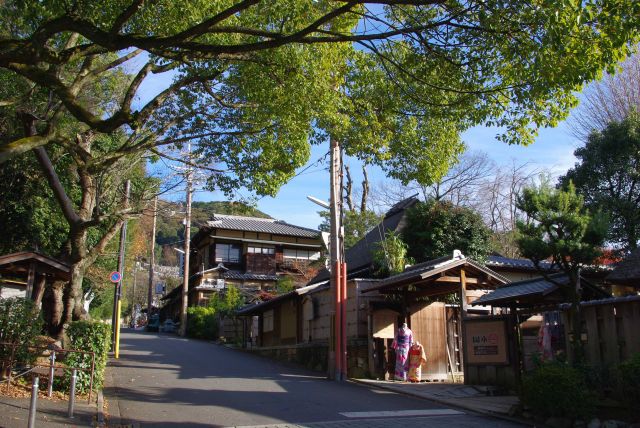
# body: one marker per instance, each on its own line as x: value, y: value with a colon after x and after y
x: 170, y: 229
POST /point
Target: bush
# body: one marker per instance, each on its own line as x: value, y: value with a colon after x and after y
x: 201, y: 322
x: 88, y: 336
x: 557, y: 390
x: 629, y: 375
x: 20, y: 323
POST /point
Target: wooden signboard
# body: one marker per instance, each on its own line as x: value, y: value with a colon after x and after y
x: 485, y: 342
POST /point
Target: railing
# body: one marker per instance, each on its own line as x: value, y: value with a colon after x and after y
x: 9, y: 364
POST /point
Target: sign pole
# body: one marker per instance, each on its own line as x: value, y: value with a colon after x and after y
x: 117, y: 292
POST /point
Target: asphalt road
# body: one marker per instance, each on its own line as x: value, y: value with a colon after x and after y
x: 166, y: 381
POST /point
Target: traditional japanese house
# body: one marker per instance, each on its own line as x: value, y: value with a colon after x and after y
x: 297, y: 326
x: 433, y: 298
x: 246, y: 252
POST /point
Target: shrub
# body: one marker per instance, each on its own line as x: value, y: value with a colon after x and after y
x: 557, y: 390
x: 20, y: 323
x: 201, y: 322
x: 88, y: 336
x: 629, y: 375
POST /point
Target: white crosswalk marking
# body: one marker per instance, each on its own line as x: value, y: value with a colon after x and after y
x: 401, y: 413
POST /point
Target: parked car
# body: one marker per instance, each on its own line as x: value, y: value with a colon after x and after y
x: 169, y: 326
x: 154, y: 323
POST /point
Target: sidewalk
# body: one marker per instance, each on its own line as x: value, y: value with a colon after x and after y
x: 468, y: 397
x: 14, y: 412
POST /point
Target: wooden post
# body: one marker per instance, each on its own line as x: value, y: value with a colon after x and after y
x: 463, y: 292
x: 463, y: 315
x: 31, y: 277
x: 370, y: 342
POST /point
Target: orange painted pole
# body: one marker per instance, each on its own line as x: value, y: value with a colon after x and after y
x: 343, y: 360
x: 337, y: 269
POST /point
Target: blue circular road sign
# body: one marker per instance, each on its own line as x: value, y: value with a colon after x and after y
x: 115, y: 277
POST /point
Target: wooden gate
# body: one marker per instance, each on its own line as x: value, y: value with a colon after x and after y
x: 428, y: 323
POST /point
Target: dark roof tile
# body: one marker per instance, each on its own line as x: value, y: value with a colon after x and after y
x: 264, y: 225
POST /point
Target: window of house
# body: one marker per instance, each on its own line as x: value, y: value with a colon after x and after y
x: 228, y: 253
x: 294, y: 254
x: 267, y: 321
x: 261, y: 250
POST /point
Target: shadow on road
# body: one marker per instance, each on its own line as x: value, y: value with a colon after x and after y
x: 166, y: 380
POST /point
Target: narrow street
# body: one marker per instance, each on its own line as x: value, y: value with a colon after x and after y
x: 164, y: 380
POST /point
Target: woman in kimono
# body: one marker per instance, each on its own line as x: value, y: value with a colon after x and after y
x: 416, y: 359
x: 401, y: 344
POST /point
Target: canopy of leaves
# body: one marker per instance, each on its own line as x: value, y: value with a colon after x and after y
x: 608, y: 178
x: 557, y: 227
x: 437, y: 228
x: 252, y: 77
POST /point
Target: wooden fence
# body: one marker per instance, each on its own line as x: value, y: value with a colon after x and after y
x: 612, y: 328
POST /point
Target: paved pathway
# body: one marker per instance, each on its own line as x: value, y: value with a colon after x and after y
x: 14, y: 412
x: 166, y: 381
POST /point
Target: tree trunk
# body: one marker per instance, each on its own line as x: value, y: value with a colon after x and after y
x: 39, y: 291
x: 74, y: 299
x: 575, y: 315
x: 365, y: 190
x: 53, y: 308
x: 348, y: 189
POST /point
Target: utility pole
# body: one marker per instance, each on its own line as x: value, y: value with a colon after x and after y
x: 338, y: 347
x: 133, y: 288
x: 118, y: 289
x: 187, y: 242
x: 152, y: 258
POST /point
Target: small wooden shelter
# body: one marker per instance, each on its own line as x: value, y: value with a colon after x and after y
x: 26, y: 274
x: 435, y: 324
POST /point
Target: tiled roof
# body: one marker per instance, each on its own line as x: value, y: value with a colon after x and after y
x: 426, y: 269
x: 259, y: 307
x: 264, y: 225
x: 506, y: 262
x: 627, y: 271
x: 537, y: 287
x: 249, y: 276
x: 520, y: 289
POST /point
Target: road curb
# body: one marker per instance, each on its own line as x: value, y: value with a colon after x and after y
x: 114, y: 409
x: 100, y: 405
x: 447, y: 403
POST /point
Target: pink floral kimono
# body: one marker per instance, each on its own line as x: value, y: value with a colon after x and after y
x: 401, y: 344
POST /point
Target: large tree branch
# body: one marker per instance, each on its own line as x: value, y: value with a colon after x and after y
x: 97, y: 249
x: 24, y: 144
x: 59, y: 192
x: 126, y: 15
